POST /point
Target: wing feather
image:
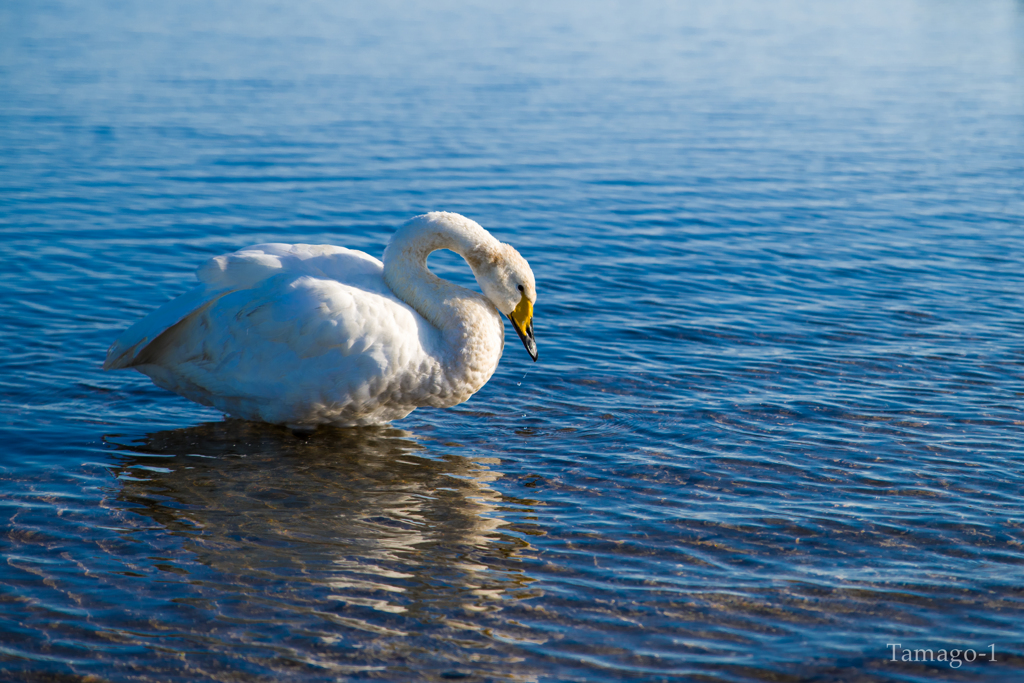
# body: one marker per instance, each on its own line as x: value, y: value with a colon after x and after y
x: 243, y: 270
x: 273, y: 330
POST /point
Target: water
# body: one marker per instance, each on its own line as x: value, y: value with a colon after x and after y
x: 776, y: 424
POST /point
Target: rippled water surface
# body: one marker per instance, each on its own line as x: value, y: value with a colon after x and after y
x: 776, y: 427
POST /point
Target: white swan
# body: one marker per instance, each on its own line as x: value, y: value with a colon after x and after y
x: 303, y: 335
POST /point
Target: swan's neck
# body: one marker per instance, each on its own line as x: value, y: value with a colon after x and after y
x: 450, y: 308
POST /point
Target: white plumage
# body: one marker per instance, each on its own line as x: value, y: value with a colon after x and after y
x: 303, y: 335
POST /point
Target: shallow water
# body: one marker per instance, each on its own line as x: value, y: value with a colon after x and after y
x: 776, y: 424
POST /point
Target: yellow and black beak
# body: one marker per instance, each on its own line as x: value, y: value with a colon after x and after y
x: 522, y: 321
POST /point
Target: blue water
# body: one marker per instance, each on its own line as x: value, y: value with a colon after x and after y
x: 778, y: 417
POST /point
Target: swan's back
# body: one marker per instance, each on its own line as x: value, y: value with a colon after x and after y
x: 249, y: 266
x: 293, y: 334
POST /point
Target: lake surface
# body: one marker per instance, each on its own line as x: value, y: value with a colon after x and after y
x: 777, y: 426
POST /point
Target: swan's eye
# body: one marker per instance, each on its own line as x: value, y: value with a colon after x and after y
x: 520, y: 287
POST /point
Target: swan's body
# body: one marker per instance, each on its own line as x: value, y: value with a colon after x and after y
x: 305, y: 335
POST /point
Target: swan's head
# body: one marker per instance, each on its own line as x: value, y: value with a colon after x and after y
x: 507, y: 280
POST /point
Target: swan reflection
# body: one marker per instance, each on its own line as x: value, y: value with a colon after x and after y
x: 354, y: 538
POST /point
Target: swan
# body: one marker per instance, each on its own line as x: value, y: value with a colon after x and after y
x: 303, y: 335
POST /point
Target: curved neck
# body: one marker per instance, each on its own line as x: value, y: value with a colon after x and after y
x: 407, y: 275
